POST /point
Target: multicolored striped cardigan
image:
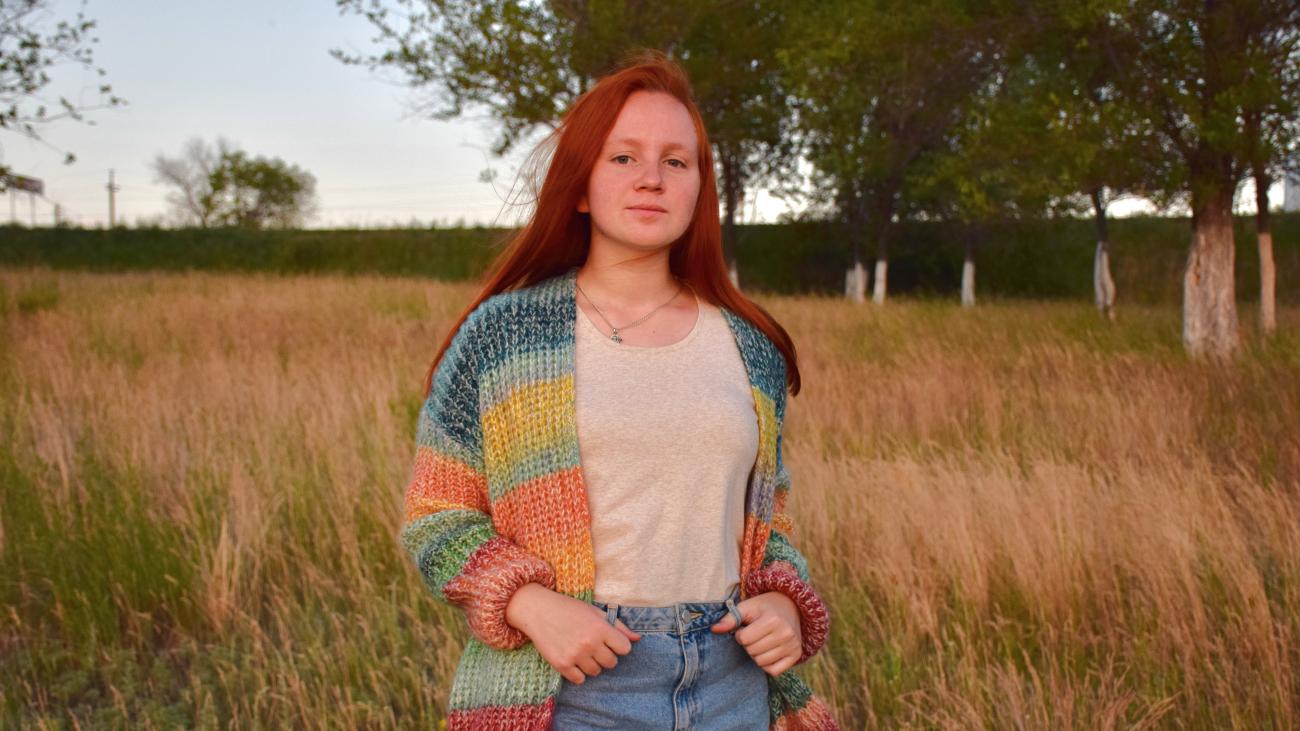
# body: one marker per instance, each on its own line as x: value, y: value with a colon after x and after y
x: 496, y: 499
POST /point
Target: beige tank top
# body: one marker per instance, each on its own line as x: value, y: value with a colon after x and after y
x: 668, y: 438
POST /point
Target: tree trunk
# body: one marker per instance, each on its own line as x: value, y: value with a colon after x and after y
x: 968, y: 274
x: 1209, y: 304
x: 855, y: 280
x: 883, y: 213
x: 878, y: 289
x: 855, y: 283
x: 1103, y: 284
x: 880, y: 286
x: 1267, y: 272
x: 732, y: 192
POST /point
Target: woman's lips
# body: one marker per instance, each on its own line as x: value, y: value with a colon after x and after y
x: 647, y: 211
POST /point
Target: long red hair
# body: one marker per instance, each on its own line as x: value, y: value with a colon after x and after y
x: 557, y: 236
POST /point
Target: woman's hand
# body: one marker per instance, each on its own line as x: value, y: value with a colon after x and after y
x: 772, y: 634
x: 570, y: 634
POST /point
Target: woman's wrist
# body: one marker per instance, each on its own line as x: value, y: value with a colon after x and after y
x: 522, y: 605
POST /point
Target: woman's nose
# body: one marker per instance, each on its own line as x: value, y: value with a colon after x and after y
x: 650, y: 178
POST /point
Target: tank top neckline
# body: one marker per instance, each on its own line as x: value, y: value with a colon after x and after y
x: 624, y: 347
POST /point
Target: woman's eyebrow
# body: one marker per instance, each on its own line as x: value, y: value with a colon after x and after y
x: 631, y: 142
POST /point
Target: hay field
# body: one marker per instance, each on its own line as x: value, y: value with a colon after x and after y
x: 1021, y: 516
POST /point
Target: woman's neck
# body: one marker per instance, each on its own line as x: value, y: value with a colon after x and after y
x: 628, y: 284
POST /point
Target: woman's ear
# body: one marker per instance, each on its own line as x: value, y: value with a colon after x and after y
x: 582, y: 204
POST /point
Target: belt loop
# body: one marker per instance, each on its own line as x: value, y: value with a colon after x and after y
x: 611, y: 613
x: 731, y: 607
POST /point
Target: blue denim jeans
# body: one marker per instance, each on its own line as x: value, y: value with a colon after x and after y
x: 680, y: 675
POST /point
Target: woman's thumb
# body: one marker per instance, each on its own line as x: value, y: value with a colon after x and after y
x: 726, y: 624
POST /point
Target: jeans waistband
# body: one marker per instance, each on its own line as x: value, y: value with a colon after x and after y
x: 680, y: 617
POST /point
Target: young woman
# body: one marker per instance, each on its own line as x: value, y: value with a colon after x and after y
x: 598, y: 480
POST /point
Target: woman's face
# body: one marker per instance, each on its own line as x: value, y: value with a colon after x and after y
x: 642, y: 190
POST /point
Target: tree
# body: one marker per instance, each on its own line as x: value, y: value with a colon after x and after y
x: 882, y: 84
x: 738, y: 86
x: 261, y: 192
x: 525, y: 63
x: 224, y: 186
x: 1190, y: 69
x: 190, y: 174
x: 1271, y: 127
x: 522, y: 63
x: 1057, y: 130
x: 29, y: 47
x: 980, y: 176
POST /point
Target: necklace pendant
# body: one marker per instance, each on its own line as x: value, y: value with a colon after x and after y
x: 615, y: 336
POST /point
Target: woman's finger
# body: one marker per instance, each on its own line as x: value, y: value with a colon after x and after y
x: 764, y: 644
x: 606, y: 657
x: 589, y: 666
x: 778, y: 667
x: 770, y: 656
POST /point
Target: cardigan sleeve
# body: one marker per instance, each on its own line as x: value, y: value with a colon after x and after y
x: 784, y: 568
x: 447, y: 527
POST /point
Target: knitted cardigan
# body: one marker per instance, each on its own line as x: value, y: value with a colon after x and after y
x: 496, y: 499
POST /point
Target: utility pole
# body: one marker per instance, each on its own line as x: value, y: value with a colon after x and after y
x: 57, y: 211
x: 112, y: 191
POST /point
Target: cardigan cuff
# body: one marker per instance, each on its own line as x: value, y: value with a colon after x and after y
x: 485, y: 585
x: 814, y: 617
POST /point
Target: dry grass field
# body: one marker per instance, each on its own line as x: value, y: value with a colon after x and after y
x: 1022, y: 517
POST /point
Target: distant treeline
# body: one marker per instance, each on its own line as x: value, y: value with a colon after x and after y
x: 1039, y: 259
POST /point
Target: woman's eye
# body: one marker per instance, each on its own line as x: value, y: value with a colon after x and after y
x: 678, y: 163
x: 621, y: 158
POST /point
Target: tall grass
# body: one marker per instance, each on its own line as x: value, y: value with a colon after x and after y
x: 1022, y: 517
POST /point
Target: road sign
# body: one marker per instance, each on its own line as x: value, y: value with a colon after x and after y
x: 22, y: 182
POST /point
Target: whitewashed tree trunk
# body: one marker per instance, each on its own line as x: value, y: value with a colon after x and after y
x: 1267, y: 285
x: 1102, y: 283
x: 733, y: 274
x: 968, y: 283
x: 1267, y: 271
x: 1209, y: 304
x: 879, y: 287
x: 855, y: 283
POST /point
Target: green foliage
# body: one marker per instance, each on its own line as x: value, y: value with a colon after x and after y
x: 740, y: 90
x: 1027, y: 259
x: 524, y: 63
x: 28, y: 49
x: 225, y: 186
x: 1191, y: 72
x: 882, y: 88
x: 260, y: 192
x: 452, y: 254
x: 1023, y: 259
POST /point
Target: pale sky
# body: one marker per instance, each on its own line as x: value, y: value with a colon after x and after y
x: 259, y: 74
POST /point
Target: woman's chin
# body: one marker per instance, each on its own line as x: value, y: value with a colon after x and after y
x: 644, y: 241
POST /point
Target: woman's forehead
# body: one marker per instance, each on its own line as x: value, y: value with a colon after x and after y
x: 653, y: 119
x: 653, y: 140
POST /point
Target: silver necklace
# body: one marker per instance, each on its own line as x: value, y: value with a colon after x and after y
x: 615, y: 336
